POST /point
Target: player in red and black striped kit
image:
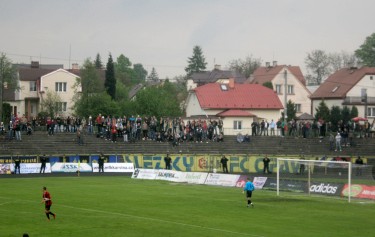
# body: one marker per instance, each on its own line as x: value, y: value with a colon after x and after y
x: 48, y: 203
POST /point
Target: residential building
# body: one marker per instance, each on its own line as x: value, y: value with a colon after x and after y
x: 348, y: 87
x: 35, y: 82
x: 288, y: 82
x: 216, y: 75
x: 237, y: 104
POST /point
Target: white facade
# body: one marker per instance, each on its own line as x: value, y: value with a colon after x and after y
x: 296, y: 91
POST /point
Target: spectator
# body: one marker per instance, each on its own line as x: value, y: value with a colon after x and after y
x: 239, y: 138
x: 338, y: 142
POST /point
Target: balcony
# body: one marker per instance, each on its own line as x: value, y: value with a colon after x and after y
x: 357, y: 100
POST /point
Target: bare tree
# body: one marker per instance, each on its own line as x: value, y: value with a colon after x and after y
x: 318, y: 66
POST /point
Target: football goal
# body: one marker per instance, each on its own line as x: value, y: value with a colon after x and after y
x: 319, y: 177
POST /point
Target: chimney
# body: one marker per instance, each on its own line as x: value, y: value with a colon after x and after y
x: 34, y: 64
x: 231, y: 83
x: 217, y: 67
x: 274, y: 63
x: 268, y: 64
x: 75, y: 66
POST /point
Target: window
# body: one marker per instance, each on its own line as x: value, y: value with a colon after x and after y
x: 278, y: 89
x: 61, y: 106
x: 290, y: 90
x: 237, y: 125
x: 297, y: 107
x: 60, y: 86
x: 371, y: 111
x: 33, y: 86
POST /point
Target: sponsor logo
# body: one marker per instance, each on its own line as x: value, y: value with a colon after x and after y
x: 323, y: 188
x: 355, y: 190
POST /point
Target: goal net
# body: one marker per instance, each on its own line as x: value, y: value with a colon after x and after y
x: 320, y: 177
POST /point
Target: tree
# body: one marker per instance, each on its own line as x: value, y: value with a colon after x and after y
x: 268, y: 84
x: 353, y: 112
x: 196, y: 63
x: 246, y: 66
x: 98, y: 62
x: 110, y: 79
x: 89, y: 85
x: 153, y: 76
x: 322, y: 111
x: 139, y: 72
x: 8, y: 80
x: 291, y: 110
x: 366, y: 52
x: 341, y: 60
x: 345, y: 114
x: 318, y: 66
x: 123, y: 70
x: 50, y: 103
x: 335, y: 117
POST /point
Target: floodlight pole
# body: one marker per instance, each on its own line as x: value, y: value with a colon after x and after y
x: 285, y: 95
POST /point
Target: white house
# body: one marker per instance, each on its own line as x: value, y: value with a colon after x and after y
x: 348, y: 87
x: 287, y: 79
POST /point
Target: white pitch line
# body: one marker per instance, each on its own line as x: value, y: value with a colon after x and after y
x: 164, y: 221
x: 149, y: 219
x: 4, y: 203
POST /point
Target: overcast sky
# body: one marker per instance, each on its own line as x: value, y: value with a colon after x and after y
x: 162, y: 33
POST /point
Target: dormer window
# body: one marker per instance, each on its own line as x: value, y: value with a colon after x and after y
x: 224, y: 87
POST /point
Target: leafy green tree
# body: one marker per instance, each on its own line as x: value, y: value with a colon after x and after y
x: 101, y: 103
x: 139, y: 72
x: 322, y: 111
x: 153, y: 75
x: 291, y: 110
x: 158, y: 101
x: 98, y: 62
x: 86, y: 87
x: 246, y: 66
x: 110, y: 79
x: 8, y: 80
x: 353, y: 112
x: 366, y: 52
x: 318, y: 66
x: 121, y: 92
x: 50, y: 103
x: 123, y: 70
x: 268, y: 84
x: 336, y: 116
x: 196, y: 63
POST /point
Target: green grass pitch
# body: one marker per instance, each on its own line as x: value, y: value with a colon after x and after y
x: 121, y: 206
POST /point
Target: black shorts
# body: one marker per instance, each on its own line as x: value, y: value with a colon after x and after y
x: 48, y: 207
x: 249, y: 193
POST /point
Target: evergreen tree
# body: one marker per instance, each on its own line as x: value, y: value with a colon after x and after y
x: 353, y: 112
x: 110, y: 79
x: 322, y: 112
x: 345, y: 114
x: 268, y: 84
x: 196, y: 63
x: 335, y: 117
x: 153, y: 76
x: 98, y: 62
x: 291, y: 110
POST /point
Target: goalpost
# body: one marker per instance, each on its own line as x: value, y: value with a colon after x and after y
x: 320, y: 177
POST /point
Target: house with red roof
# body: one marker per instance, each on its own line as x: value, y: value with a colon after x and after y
x: 348, y: 87
x: 238, y: 105
x: 288, y: 82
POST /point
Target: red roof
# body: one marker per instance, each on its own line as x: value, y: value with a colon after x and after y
x: 242, y: 96
x: 341, y: 82
x: 266, y: 74
x: 235, y: 113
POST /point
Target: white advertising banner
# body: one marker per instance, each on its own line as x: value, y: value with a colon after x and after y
x: 71, y: 167
x: 170, y: 175
x: 229, y: 180
x: 144, y: 174
x: 195, y: 177
x: 33, y: 168
x: 259, y: 182
x: 114, y: 167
